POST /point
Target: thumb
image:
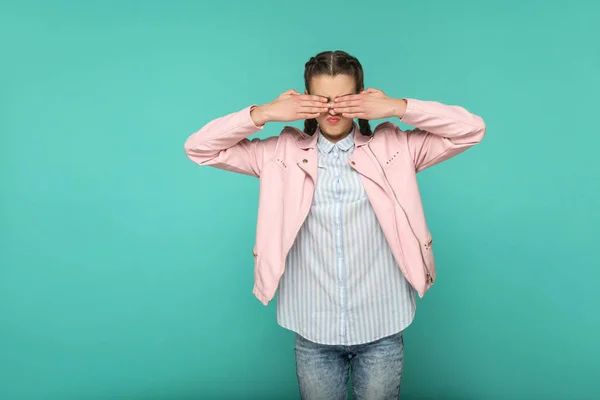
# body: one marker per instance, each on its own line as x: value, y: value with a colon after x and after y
x: 288, y: 94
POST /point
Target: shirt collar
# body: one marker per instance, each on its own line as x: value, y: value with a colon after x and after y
x: 326, y: 146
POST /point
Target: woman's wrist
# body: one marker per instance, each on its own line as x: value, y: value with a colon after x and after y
x: 400, y: 107
x: 259, y: 115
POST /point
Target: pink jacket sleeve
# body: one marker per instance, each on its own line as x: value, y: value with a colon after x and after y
x: 440, y: 133
x: 223, y: 144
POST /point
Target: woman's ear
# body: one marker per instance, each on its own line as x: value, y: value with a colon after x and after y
x: 305, y: 91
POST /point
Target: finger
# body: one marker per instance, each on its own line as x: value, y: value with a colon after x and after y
x: 347, y: 103
x: 291, y: 91
x: 312, y: 103
x: 312, y: 97
x: 372, y: 90
x: 312, y: 110
x: 349, y: 97
x: 341, y: 110
x: 355, y: 115
x: 308, y: 115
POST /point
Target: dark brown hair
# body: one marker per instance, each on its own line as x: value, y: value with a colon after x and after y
x: 334, y: 63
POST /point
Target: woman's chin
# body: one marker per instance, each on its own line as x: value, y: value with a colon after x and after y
x: 336, y: 129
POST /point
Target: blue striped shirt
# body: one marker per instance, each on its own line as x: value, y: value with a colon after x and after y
x: 341, y: 284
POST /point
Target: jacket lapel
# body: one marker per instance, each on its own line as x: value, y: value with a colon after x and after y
x: 307, y: 161
x: 363, y: 160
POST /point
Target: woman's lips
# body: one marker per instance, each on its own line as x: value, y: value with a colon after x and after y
x: 333, y: 120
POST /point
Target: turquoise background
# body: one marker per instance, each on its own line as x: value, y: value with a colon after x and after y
x: 126, y: 270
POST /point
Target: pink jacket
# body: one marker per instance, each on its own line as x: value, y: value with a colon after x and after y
x: 387, y: 163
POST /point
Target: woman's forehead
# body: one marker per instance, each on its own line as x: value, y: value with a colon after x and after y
x: 332, y: 86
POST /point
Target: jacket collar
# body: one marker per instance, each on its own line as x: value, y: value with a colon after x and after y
x: 326, y: 146
x: 310, y: 142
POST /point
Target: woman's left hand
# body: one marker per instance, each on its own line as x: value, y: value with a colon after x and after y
x: 369, y: 104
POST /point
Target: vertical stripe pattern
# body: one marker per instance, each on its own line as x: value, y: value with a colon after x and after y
x: 341, y: 284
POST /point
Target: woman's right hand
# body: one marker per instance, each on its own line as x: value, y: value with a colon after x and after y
x: 290, y: 106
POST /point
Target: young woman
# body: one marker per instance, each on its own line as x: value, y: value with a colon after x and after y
x: 341, y: 233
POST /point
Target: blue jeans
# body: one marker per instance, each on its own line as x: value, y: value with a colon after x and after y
x: 376, y: 368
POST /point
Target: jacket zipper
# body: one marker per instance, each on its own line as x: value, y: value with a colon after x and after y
x: 429, y: 276
x: 304, y: 215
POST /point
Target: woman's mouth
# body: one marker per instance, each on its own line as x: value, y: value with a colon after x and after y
x: 333, y: 120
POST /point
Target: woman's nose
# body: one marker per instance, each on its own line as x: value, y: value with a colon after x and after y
x: 331, y: 112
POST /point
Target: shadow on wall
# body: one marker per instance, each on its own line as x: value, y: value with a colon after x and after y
x: 417, y: 397
x: 197, y: 396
